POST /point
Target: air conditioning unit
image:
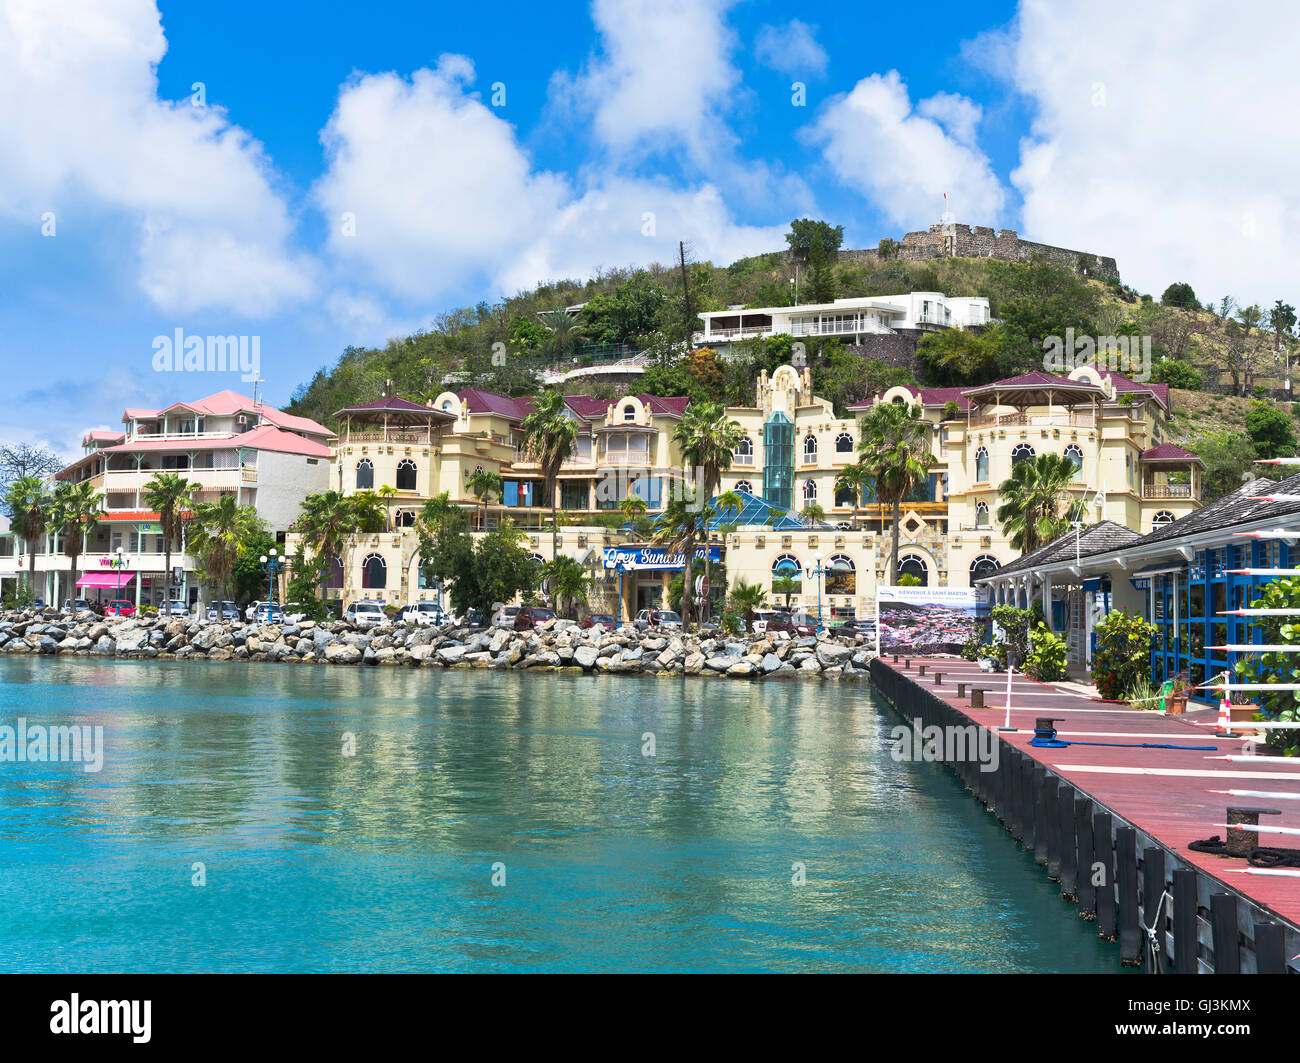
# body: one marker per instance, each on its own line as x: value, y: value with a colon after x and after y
x: 241, y: 420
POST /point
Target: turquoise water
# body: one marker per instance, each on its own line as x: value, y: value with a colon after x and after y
x: 383, y: 860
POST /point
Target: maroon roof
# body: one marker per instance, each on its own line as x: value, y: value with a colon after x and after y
x: 1035, y: 379
x: 928, y: 397
x: 1123, y: 384
x: 477, y: 401
x: 1168, y: 452
x: 392, y: 402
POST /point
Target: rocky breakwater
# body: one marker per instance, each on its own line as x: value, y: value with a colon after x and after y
x: 558, y: 645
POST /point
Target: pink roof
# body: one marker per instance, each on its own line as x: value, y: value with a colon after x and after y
x: 477, y: 401
x: 227, y: 403
x: 1168, y: 452
x: 98, y: 434
x: 267, y: 437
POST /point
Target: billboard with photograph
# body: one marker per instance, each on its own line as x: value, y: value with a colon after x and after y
x: 922, y: 620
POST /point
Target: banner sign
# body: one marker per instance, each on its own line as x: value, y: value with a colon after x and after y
x: 652, y: 559
x: 920, y: 620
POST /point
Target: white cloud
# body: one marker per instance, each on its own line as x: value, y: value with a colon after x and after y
x: 791, y: 49
x: 901, y: 159
x: 958, y: 115
x: 442, y: 194
x: 90, y: 129
x: 663, y: 78
x: 1171, y: 153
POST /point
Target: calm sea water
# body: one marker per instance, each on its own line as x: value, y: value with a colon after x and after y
x: 384, y: 860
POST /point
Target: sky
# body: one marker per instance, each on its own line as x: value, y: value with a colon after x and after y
x: 314, y: 176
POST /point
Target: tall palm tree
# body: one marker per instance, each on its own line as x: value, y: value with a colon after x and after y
x: 486, y: 486
x: 1031, y: 501
x: 707, y: 438
x: 813, y: 513
x: 854, y: 479
x: 218, y: 530
x: 28, y: 501
x: 786, y: 584
x: 567, y: 581
x: 74, y: 515
x: 326, y: 519
x: 894, y: 445
x: 678, y: 530
x: 549, y: 436
x: 170, y: 496
x: 387, y: 492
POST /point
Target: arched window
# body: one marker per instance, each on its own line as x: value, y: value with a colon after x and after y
x: 809, y: 491
x: 1021, y: 452
x: 841, y: 575
x: 982, y: 465
x: 744, y: 485
x: 844, y: 443
x: 446, y: 405
x: 406, y: 475
x: 844, y: 497
x: 478, y: 470
x: 981, y: 514
x: 744, y: 452
x: 404, y: 518
x: 914, y: 565
x: 629, y: 412
x: 787, y: 575
x: 365, y: 475
x: 809, y: 450
x: 332, y: 578
x: 1074, y: 455
x: 984, y: 565
x: 374, y: 573
x: 1161, y: 519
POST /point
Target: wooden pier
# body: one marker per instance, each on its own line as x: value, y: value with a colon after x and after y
x: 1124, y: 815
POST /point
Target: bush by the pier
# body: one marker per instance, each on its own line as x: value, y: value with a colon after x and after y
x: 1046, y: 661
x: 1123, y: 653
x: 1282, y: 594
x: 1015, y: 624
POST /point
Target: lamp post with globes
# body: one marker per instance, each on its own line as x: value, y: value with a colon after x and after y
x: 271, y: 565
x: 817, y: 572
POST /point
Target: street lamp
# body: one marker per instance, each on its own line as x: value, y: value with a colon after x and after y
x: 271, y: 565
x: 816, y: 572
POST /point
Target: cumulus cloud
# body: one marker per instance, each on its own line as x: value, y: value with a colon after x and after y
x: 427, y: 188
x: 903, y: 159
x: 1169, y: 153
x: 91, y: 130
x: 663, y: 77
x: 791, y: 49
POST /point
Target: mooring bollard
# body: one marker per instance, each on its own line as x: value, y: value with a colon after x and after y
x: 895, y: 658
x: 1241, y: 842
x: 938, y: 678
x: 907, y: 663
x: 977, y: 698
x: 961, y: 690
x: 920, y: 669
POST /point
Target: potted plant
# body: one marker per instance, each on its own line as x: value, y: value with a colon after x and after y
x: 1176, y: 702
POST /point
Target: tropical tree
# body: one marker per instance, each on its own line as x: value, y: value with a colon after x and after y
x: 28, y: 501
x: 785, y: 583
x: 74, y: 515
x: 171, y: 497
x: 387, y: 493
x: 486, y: 486
x: 707, y: 438
x: 678, y: 530
x: 567, y: 581
x: 549, y: 435
x: 1030, y: 513
x: 747, y: 597
x: 633, y: 506
x: 325, y: 520
x: 367, y: 512
x: 217, y: 532
x: 894, y: 445
x: 813, y: 513
x: 855, y: 479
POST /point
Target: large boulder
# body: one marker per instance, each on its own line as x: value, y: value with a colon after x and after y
x: 585, y: 656
x: 342, y: 653
x: 451, y: 654
x: 830, y: 654
x: 694, y: 663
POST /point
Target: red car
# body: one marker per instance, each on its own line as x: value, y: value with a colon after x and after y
x: 120, y: 607
x: 604, y: 621
x: 531, y: 615
x: 798, y: 626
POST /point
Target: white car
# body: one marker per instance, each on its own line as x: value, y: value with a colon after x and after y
x: 505, y: 620
x: 424, y: 614
x: 252, y: 609
x: 761, y: 617
x: 365, y: 614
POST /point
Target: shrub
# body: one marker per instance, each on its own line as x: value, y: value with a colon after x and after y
x: 1015, y: 624
x: 1123, y: 653
x: 1277, y: 667
x: 1046, y: 661
x: 908, y: 580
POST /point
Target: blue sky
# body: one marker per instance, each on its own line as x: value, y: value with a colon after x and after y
x: 346, y: 172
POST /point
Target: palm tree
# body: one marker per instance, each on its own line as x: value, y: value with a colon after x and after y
x: 171, y: 497
x: 894, y: 444
x: 813, y: 513
x: 786, y: 584
x: 854, y: 479
x: 28, y: 500
x: 367, y: 512
x: 485, y: 486
x: 707, y: 438
x: 549, y: 435
x: 678, y: 530
x: 567, y: 582
x: 387, y: 493
x: 748, y: 597
x: 218, y: 530
x: 74, y: 514
x: 325, y: 521
x: 1031, y: 501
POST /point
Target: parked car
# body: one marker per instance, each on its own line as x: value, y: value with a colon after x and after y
x: 648, y: 618
x: 223, y: 611
x: 423, y: 613
x: 529, y: 616
x: 799, y: 625
x: 761, y: 619
x: 506, y: 618
x: 251, y: 609
x: 270, y: 613
x: 365, y: 614
x: 472, y: 618
x: 604, y: 621
x: 859, y: 627
x: 176, y: 607
x: 80, y: 605
x: 120, y: 607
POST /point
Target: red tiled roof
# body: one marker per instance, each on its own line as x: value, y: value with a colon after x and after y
x: 1125, y: 384
x: 1168, y: 452
x: 227, y: 403
x: 267, y: 437
x: 477, y: 401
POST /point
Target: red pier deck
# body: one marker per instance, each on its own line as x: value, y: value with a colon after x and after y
x: 1164, y: 793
